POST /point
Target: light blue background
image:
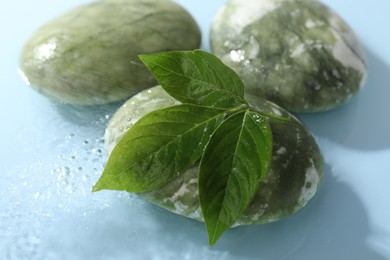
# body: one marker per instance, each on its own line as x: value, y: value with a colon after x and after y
x: 51, y: 156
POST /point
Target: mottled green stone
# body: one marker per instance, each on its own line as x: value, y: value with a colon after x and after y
x: 89, y: 55
x: 296, y: 53
x: 295, y: 174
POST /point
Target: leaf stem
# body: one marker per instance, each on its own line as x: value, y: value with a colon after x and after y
x: 237, y: 108
x: 272, y: 116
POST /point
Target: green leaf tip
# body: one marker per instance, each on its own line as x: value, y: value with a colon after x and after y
x: 234, y: 162
x: 96, y: 187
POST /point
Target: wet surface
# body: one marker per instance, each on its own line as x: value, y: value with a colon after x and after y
x: 52, y: 154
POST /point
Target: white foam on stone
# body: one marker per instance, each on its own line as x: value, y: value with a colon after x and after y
x: 310, y: 23
x: 312, y: 178
x: 281, y: 150
x: 341, y: 51
x: 24, y: 77
x: 196, y: 214
x: 237, y: 55
x: 277, y: 112
x: 46, y: 51
x: 246, y: 12
x: 183, y: 190
x: 298, y: 51
x: 313, y: 23
x: 255, y: 48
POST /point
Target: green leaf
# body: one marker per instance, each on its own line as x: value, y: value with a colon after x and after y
x: 235, y: 160
x: 196, y: 77
x: 161, y: 145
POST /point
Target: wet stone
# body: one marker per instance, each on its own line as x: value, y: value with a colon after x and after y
x: 89, y: 55
x: 298, y: 54
x: 295, y: 173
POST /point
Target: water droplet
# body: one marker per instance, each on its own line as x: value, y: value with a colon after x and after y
x: 237, y: 55
x: 227, y: 44
x: 65, y: 170
x: 37, y: 195
x: 85, y: 178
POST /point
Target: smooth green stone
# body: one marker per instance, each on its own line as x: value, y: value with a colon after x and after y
x: 295, y: 175
x: 298, y: 54
x: 89, y: 55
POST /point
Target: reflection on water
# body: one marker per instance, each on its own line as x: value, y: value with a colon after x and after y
x: 363, y: 123
x: 48, y: 211
x: 97, y: 116
x: 355, y: 140
x: 333, y: 226
x: 367, y: 174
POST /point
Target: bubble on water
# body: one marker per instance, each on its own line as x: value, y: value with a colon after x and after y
x: 85, y: 178
x: 24, y: 246
x: 37, y: 195
x: 45, y: 191
x: 65, y: 170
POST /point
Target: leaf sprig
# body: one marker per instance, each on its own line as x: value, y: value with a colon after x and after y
x: 215, y: 125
